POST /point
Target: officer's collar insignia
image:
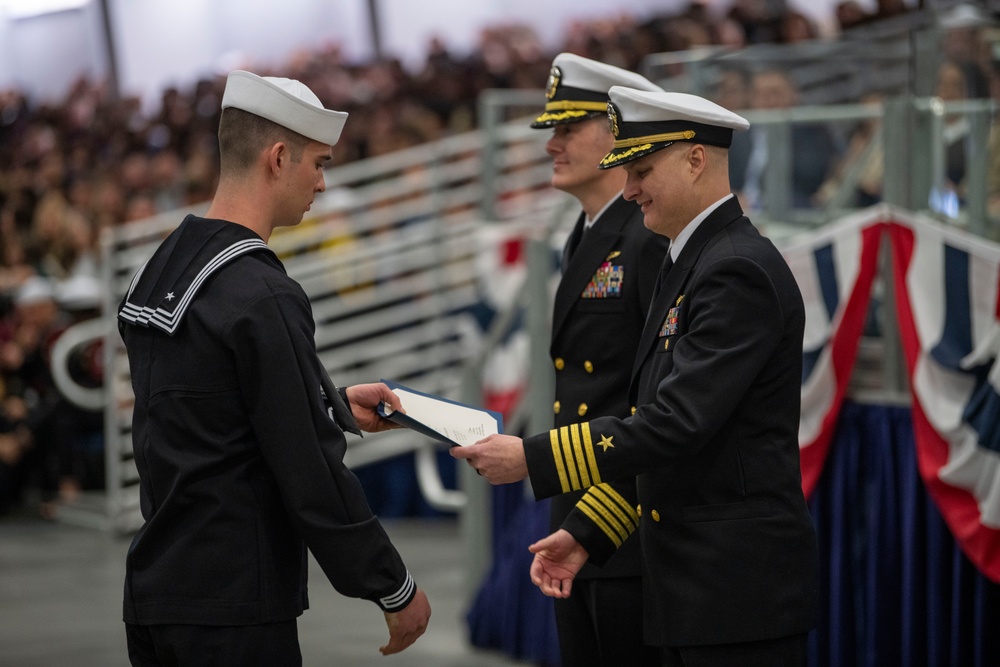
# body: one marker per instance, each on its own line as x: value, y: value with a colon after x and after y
x: 555, y: 74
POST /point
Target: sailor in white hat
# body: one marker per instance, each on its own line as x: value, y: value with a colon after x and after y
x: 238, y: 431
x: 287, y: 102
x: 610, y: 263
x: 730, y: 560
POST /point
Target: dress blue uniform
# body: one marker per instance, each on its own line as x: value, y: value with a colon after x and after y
x: 728, y: 546
x: 609, y: 273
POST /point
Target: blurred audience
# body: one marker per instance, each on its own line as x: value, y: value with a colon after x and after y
x: 814, y: 148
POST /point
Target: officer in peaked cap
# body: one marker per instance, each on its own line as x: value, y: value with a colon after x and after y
x: 577, y: 89
x: 609, y: 266
x: 238, y: 431
x: 729, y: 550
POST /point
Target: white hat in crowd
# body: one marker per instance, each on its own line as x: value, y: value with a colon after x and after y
x: 79, y: 292
x: 35, y: 289
x: 645, y: 122
x: 287, y: 102
x: 578, y: 89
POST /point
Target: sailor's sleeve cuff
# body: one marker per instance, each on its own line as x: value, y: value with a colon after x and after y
x: 398, y: 600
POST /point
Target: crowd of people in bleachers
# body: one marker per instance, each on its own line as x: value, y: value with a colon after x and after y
x: 70, y: 169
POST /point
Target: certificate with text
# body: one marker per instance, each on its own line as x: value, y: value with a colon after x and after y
x: 441, y: 418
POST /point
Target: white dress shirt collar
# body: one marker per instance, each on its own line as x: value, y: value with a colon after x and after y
x: 678, y: 243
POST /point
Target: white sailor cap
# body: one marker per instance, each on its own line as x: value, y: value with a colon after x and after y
x: 35, y: 289
x: 645, y: 122
x: 80, y: 292
x: 577, y: 89
x: 287, y: 102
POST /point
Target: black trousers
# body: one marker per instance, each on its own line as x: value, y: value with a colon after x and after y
x: 214, y: 646
x: 600, y: 623
x: 781, y: 652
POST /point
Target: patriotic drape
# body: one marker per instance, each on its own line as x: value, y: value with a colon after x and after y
x: 946, y: 285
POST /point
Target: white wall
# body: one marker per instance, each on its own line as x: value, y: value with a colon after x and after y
x: 45, y: 54
x: 172, y: 42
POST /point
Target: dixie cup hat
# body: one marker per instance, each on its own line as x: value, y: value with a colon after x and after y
x: 287, y: 102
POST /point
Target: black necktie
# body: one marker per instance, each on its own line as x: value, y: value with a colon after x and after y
x: 572, y: 243
x: 668, y: 262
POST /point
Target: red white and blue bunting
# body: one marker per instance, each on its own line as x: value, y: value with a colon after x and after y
x: 946, y: 285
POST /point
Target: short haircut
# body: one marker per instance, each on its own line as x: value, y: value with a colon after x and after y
x: 243, y: 135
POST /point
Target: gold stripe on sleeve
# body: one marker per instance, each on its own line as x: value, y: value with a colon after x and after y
x: 617, y: 505
x: 588, y: 444
x: 578, y: 455
x: 599, y: 522
x: 569, y: 435
x: 609, y: 518
x: 558, y: 460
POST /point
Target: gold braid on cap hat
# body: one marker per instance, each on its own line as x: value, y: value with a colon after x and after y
x: 655, y: 138
x: 570, y: 105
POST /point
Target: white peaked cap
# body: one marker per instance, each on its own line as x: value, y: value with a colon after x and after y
x: 287, y: 102
x: 577, y: 89
x: 644, y: 122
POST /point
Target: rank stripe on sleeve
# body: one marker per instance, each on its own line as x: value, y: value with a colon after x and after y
x: 573, y: 455
x: 617, y: 504
x: 598, y: 520
x: 610, y: 512
x: 560, y: 464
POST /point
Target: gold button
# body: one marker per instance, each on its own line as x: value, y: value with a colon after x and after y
x: 633, y: 409
x: 655, y: 515
x: 582, y: 410
x: 556, y: 406
x: 638, y: 510
x: 559, y: 363
x: 589, y: 367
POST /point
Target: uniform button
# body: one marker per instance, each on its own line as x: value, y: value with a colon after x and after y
x: 582, y: 410
x: 556, y: 406
x: 589, y: 367
x: 560, y: 364
x: 633, y: 409
x: 638, y: 510
x: 655, y: 515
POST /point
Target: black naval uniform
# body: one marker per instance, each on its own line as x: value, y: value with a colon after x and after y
x: 238, y: 437
x: 729, y: 549
x: 609, y: 273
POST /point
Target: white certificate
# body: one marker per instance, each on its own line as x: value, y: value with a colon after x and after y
x: 441, y: 418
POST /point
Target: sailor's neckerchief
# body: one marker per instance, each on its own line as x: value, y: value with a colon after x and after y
x: 164, y: 287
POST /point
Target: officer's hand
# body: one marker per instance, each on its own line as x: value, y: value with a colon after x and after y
x: 364, y: 399
x: 498, y: 458
x: 407, y: 625
x: 558, y: 558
